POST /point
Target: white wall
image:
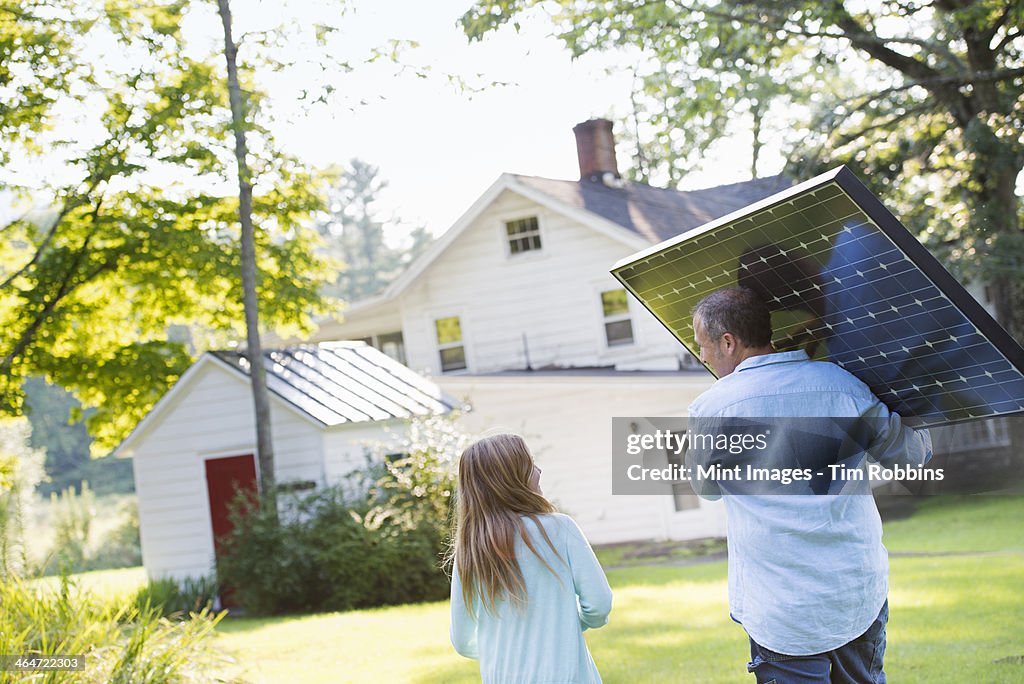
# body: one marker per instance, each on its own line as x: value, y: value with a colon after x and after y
x: 551, y: 295
x: 346, y: 446
x: 212, y: 417
x: 567, y: 421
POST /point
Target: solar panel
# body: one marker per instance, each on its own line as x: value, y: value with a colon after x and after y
x: 847, y: 282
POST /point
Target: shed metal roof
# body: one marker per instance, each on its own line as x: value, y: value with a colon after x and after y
x: 345, y: 382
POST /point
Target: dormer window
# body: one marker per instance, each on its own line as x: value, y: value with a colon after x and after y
x: 523, y: 235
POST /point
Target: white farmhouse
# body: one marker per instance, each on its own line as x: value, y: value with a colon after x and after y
x: 514, y: 310
x: 197, y: 445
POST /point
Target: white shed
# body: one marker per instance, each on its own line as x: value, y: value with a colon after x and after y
x: 328, y: 401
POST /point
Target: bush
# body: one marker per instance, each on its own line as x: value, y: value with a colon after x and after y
x: 176, y: 599
x: 342, y: 547
x: 89, y: 533
x: 73, y: 514
x: 120, y: 547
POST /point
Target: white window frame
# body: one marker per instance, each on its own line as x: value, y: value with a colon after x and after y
x: 503, y: 219
x: 629, y: 315
x: 432, y: 320
x: 374, y: 341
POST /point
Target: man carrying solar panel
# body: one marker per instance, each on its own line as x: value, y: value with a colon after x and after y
x: 808, y: 575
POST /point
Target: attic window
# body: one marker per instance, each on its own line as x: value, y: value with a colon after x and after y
x: 523, y: 235
x: 618, y: 328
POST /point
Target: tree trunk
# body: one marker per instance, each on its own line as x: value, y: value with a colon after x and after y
x: 254, y: 351
x: 755, y: 109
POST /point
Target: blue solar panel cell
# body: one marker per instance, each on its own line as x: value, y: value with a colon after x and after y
x: 848, y: 283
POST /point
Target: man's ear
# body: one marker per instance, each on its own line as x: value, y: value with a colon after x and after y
x: 731, y: 343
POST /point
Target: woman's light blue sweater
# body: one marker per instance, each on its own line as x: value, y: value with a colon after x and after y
x: 543, y: 643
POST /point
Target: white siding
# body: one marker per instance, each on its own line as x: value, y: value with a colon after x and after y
x: 346, y: 447
x: 359, y: 324
x: 567, y: 420
x: 211, y: 417
x: 550, y: 297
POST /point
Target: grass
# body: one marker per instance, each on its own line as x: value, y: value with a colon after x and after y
x: 952, y: 617
x: 105, y: 585
x: 651, y: 553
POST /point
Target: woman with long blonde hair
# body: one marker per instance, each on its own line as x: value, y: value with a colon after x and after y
x: 525, y: 582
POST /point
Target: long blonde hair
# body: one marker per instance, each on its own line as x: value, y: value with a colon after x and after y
x: 493, y: 492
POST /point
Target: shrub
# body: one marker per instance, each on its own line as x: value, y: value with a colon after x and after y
x: 120, y: 547
x: 72, y: 520
x: 176, y: 599
x: 348, y: 547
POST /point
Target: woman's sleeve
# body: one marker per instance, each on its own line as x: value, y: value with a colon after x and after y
x: 463, y: 629
x: 592, y: 591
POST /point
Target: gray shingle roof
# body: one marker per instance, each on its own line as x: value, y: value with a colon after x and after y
x: 657, y: 213
x: 346, y: 382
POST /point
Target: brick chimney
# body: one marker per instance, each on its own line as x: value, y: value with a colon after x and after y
x: 595, y: 146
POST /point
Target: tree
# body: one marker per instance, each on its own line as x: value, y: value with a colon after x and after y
x: 354, y: 235
x: 924, y: 98
x: 131, y: 234
x: 254, y: 350
x: 66, y: 444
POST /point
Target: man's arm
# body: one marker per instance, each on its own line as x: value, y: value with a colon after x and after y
x: 895, y: 443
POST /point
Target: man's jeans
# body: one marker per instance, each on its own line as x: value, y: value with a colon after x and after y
x: 858, y: 662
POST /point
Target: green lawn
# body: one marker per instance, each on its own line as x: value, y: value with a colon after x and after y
x: 951, y: 617
x: 107, y: 584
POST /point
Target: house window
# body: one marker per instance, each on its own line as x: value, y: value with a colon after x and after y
x: 683, y: 497
x: 391, y: 344
x: 449, y: 344
x: 523, y: 235
x: 618, y: 328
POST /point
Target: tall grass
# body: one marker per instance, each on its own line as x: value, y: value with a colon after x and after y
x: 121, y: 640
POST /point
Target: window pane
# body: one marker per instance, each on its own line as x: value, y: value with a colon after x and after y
x: 619, y: 332
x: 448, y: 330
x: 453, y: 358
x: 527, y: 225
x: 614, y: 302
x: 523, y: 235
x: 395, y: 350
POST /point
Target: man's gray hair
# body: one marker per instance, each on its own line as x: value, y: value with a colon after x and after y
x: 736, y: 310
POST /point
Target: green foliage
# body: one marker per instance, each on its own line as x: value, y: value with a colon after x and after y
x: 122, y: 643
x: 72, y: 519
x: 176, y: 599
x: 21, y: 469
x: 132, y: 235
x: 351, y: 546
x: 66, y: 444
x: 924, y: 100
x: 120, y: 547
x: 88, y: 534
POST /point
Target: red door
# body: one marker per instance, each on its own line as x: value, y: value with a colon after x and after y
x: 224, y: 478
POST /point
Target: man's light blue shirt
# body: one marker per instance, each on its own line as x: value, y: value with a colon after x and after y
x: 807, y: 573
